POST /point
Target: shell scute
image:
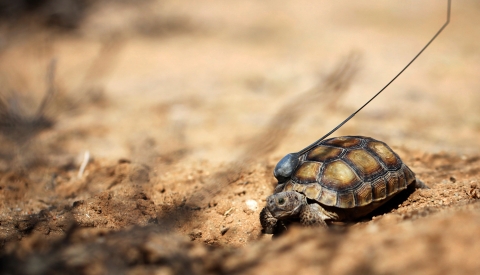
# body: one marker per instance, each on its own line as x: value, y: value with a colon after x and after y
x: 299, y: 187
x: 392, y: 183
x: 387, y: 156
x: 289, y: 186
x: 344, y: 142
x: 339, y: 176
x: 307, y: 172
x: 346, y: 200
x: 363, y: 194
x: 313, y: 191
x: 379, y: 189
x: 366, y: 165
x: 328, y: 197
x: 324, y: 153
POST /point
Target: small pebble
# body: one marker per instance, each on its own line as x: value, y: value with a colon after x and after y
x: 252, y: 205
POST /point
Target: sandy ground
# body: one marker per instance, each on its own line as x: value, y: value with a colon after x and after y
x: 179, y: 111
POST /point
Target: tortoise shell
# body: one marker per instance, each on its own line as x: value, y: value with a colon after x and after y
x: 347, y: 172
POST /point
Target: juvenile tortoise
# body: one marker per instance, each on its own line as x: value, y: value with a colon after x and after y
x: 338, y: 179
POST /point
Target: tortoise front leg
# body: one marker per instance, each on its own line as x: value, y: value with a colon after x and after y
x: 313, y: 215
x: 267, y: 221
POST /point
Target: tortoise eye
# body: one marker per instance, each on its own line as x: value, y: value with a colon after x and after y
x: 281, y: 201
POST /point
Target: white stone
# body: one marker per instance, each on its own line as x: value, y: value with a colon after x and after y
x: 252, y: 205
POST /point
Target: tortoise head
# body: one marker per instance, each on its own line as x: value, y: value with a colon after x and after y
x: 285, y: 204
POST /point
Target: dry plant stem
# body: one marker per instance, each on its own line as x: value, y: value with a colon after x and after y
x: 19, y: 127
x: 104, y: 63
x: 86, y: 159
x: 50, y: 88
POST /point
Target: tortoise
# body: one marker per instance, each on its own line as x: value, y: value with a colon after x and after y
x: 337, y: 179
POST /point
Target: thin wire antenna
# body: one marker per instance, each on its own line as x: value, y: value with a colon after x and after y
x: 388, y: 84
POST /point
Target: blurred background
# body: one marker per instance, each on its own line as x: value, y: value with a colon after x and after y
x: 170, y: 80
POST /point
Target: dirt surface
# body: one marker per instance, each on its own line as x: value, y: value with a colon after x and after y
x: 153, y: 149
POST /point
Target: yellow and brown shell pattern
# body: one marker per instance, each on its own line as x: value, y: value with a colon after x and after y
x: 348, y: 172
